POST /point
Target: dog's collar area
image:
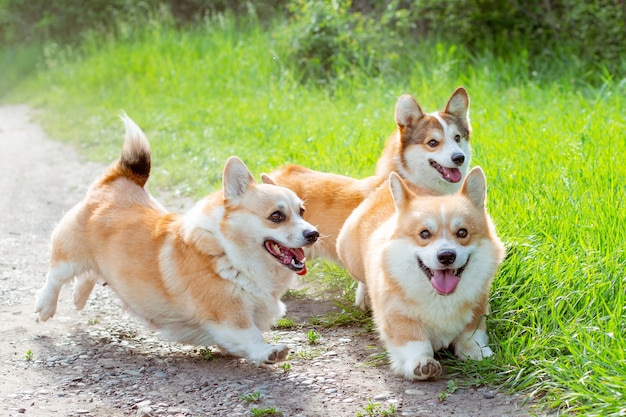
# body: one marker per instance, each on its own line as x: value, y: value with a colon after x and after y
x: 452, y: 175
x: 292, y: 258
x: 444, y: 281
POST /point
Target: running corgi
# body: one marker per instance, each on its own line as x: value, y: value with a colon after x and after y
x: 214, y: 276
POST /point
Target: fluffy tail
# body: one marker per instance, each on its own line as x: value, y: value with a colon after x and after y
x: 134, y: 163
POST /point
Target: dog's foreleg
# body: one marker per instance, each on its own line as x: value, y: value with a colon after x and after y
x: 414, y: 360
x: 473, y: 342
x: 48, y: 297
x: 361, y: 299
x: 247, y: 343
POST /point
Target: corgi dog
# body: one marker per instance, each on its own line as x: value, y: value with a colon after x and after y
x: 425, y: 265
x: 214, y: 276
x: 429, y: 150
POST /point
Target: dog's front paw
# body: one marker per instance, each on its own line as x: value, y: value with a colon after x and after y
x: 473, y: 351
x: 475, y: 347
x: 279, y: 353
x: 414, y: 360
x: 427, y: 368
x: 45, y: 308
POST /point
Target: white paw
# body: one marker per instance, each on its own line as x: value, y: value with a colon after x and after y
x: 418, y: 368
x: 45, y: 306
x: 279, y: 354
x: 267, y: 354
x: 475, y: 347
x: 414, y: 360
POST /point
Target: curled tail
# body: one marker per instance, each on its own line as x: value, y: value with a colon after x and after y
x: 134, y: 163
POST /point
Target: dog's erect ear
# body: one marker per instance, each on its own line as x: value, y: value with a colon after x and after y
x: 267, y: 179
x: 458, y: 105
x: 408, y: 112
x: 475, y: 187
x: 236, y: 178
x: 399, y: 191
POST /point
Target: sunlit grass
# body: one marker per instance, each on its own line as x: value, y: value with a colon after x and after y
x: 552, y: 153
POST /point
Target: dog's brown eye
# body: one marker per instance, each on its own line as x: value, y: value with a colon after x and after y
x: 432, y: 143
x: 302, y: 211
x: 457, y: 138
x: 425, y: 234
x: 461, y: 233
x: 277, y: 217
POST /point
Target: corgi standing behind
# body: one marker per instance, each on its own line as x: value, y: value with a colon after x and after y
x: 212, y: 277
x: 426, y: 263
x: 428, y: 150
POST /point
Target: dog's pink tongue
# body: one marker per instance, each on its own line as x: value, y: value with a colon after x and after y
x: 297, y: 253
x: 452, y: 174
x: 444, y: 281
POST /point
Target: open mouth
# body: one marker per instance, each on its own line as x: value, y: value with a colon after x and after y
x: 448, y: 174
x: 444, y: 281
x: 292, y: 258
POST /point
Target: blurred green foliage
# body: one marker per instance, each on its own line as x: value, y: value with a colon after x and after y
x: 328, y: 38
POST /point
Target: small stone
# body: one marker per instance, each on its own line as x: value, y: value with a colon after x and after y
x: 414, y: 392
x: 145, y: 412
x: 489, y: 395
x: 81, y: 412
x: 143, y: 404
x: 382, y: 396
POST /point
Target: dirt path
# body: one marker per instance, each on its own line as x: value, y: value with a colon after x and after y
x: 101, y: 362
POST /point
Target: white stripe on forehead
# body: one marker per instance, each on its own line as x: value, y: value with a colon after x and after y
x: 443, y: 214
x: 444, y: 124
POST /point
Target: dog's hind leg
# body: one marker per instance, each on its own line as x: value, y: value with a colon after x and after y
x: 48, y: 297
x: 82, y: 288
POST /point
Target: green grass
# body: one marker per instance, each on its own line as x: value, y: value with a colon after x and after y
x: 252, y: 397
x: 373, y: 409
x: 269, y: 411
x: 552, y: 152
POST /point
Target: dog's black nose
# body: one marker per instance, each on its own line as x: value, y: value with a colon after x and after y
x: 458, y: 158
x: 446, y: 256
x: 311, y: 236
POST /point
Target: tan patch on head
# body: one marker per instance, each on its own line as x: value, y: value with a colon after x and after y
x: 421, y: 132
x: 462, y: 126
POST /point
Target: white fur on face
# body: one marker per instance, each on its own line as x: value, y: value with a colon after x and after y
x: 450, y: 146
x: 419, y: 170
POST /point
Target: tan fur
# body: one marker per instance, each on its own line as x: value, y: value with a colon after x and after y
x: 380, y: 243
x: 330, y: 198
x: 204, y: 278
